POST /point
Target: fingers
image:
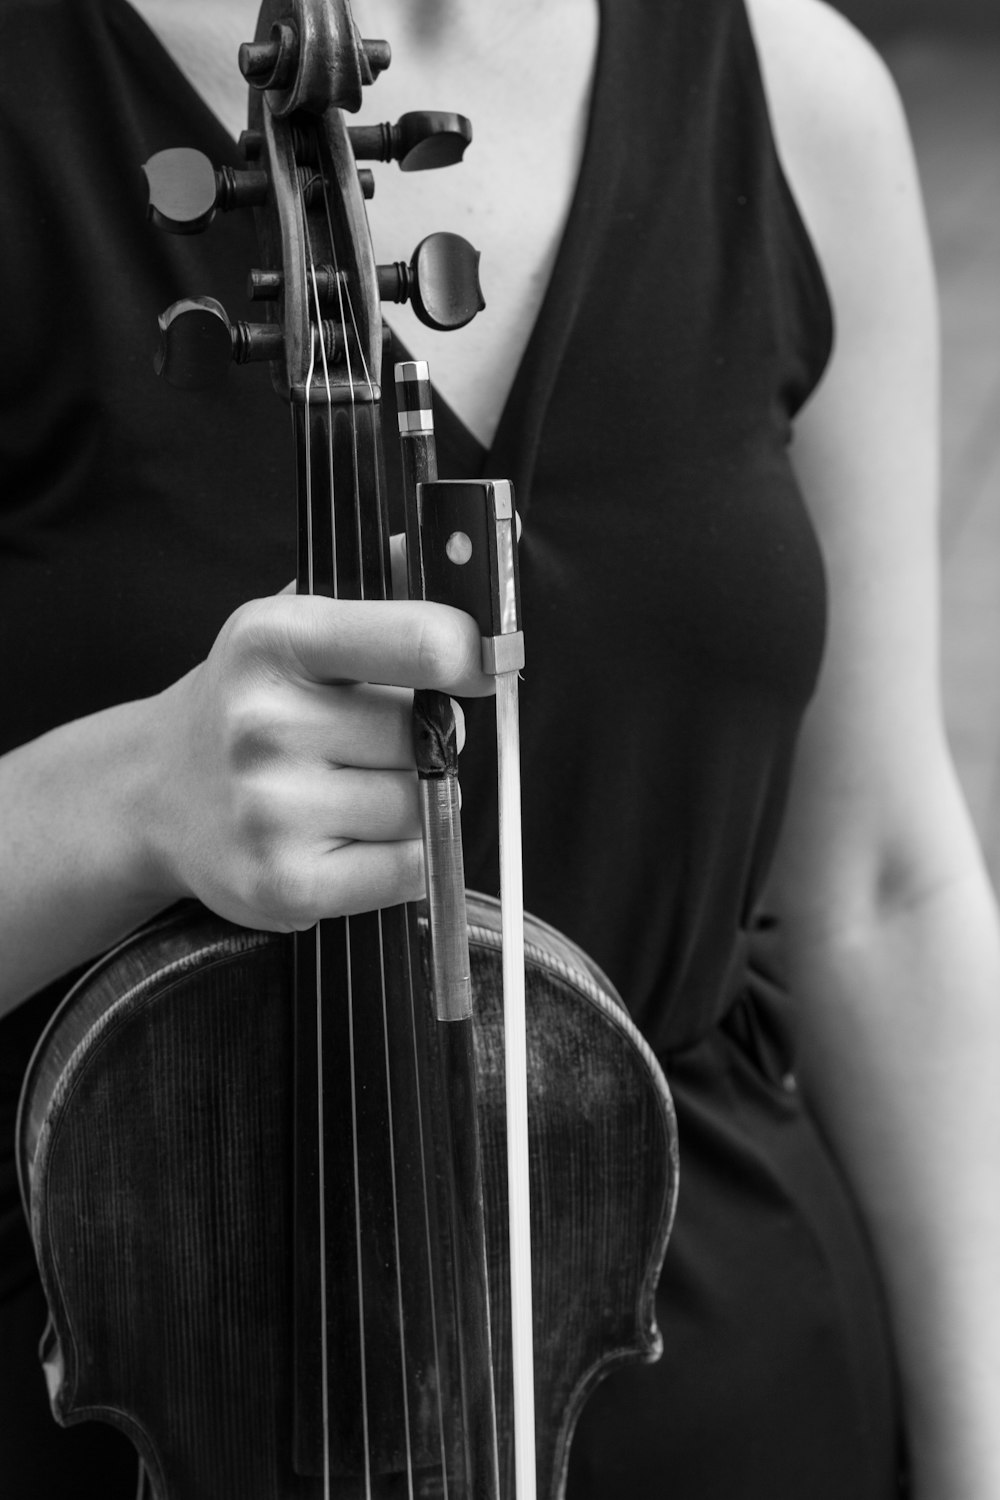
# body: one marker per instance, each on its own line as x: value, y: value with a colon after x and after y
x: 284, y: 779
x: 400, y: 642
x: 322, y: 810
x: 302, y: 724
x: 292, y: 892
x: 353, y: 724
x: 380, y: 875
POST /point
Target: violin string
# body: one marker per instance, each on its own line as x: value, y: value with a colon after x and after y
x: 320, y: 1121
x: 347, y: 311
x: 310, y: 545
x: 346, y: 306
x: 395, y: 1225
x: 358, y: 1236
x: 323, y: 1310
x: 346, y: 300
x: 428, y: 1237
x: 365, y: 1417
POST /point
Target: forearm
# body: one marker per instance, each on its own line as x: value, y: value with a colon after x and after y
x: 901, y: 1064
x: 74, y: 868
x: 274, y: 783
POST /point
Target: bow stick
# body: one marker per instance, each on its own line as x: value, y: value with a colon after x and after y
x: 462, y: 550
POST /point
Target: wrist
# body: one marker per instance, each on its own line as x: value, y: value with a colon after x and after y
x: 144, y: 865
x: 78, y: 865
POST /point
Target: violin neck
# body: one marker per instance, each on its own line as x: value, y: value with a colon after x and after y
x: 343, y: 528
x: 368, y: 1306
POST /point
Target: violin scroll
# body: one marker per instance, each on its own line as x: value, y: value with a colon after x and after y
x: 310, y: 57
x: 318, y: 278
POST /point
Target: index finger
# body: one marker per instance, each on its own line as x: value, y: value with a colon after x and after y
x: 399, y: 642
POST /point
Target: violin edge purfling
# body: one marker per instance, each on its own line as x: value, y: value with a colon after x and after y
x: 102, y: 1217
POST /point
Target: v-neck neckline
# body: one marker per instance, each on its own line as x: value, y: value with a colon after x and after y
x: 517, y: 432
x: 523, y: 406
x: 515, y: 441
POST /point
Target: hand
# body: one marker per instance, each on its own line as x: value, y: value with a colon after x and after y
x: 284, y: 782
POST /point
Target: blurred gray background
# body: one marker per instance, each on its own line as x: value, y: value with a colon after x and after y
x: 881, y: 18
x: 945, y: 55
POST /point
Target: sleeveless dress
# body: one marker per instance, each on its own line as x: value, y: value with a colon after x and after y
x: 674, y: 610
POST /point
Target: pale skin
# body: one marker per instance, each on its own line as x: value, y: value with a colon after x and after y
x: 218, y: 786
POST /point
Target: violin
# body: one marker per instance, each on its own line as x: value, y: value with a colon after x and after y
x: 266, y: 1176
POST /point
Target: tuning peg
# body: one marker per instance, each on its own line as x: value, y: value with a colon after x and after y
x: 274, y: 64
x: 442, y: 282
x: 251, y: 144
x: 326, y: 283
x: 198, y: 343
x: 419, y: 141
x: 377, y: 55
x: 271, y: 64
x: 185, y: 190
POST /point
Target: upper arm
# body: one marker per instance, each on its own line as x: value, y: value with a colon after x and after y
x: 874, y: 810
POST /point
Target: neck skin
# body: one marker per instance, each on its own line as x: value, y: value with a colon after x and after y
x: 426, y: 27
x: 204, y: 36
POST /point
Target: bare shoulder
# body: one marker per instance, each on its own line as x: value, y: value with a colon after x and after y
x: 810, y: 33
x: 843, y: 140
x: 837, y: 117
x: 821, y: 74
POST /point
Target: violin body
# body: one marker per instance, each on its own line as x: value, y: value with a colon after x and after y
x: 155, y: 1143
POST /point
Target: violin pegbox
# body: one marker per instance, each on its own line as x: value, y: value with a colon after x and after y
x: 318, y: 279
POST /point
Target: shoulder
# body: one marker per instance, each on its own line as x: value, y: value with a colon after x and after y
x: 838, y: 122
x: 843, y: 141
x: 819, y: 71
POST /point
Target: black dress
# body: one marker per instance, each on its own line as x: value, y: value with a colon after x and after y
x: 674, y: 609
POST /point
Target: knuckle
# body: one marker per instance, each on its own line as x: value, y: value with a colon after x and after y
x: 284, y: 893
x: 258, y: 630
x: 254, y: 733
x: 256, y: 820
x: 242, y: 631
